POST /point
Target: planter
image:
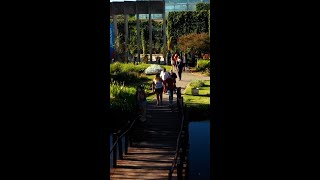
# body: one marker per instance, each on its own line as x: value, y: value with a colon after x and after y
x: 195, y: 91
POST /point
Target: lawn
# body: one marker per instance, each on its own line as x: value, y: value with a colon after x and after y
x: 202, y: 98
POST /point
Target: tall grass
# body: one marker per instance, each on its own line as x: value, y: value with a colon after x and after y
x: 196, y: 83
x: 203, y: 65
x: 122, y: 97
x: 127, y: 67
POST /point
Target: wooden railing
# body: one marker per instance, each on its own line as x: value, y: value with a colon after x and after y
x: 182, y: 142
x: 117, y: 140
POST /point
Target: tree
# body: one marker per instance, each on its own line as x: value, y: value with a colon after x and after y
x: 133, y: 47
x: 170, y: 43
x: 202, y: 6
x: 197, y: 42
x: 120, y: 48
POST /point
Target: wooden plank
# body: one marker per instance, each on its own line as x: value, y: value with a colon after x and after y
x: 154, y: 147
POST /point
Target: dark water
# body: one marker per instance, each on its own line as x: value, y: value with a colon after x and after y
x: 199, y: 150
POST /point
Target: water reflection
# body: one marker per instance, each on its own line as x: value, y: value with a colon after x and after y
x: 199, y: 150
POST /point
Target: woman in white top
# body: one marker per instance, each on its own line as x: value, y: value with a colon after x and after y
x: 164, y: 75
x: 157, y: 87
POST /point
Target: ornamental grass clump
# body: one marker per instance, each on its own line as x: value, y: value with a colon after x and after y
x: 122, y: 97
x: 196, y: 83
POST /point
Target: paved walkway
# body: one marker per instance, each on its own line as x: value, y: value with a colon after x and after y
x: 187, y: 77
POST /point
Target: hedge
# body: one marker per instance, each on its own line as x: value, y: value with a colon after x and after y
x: 203, y: 65
x: 187, y: 22
x: 144, y: 30
x: 202, y: 6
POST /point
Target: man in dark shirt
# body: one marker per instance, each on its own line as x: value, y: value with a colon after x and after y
x: 174, y: 76
x: 170, y: 84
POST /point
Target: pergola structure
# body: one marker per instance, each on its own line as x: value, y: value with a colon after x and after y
x: 138, y: 7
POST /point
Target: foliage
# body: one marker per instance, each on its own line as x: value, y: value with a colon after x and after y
x: 133, y: 47
x: 198, y: 111
x: 196, y: 83
x: 122, y: 102
x: 125, y: 77
x: 118, y: 90
x: 126, y: 72
x: 203, y: 65
x: 144, y: 32
x: 144, y: 41
x: 127, y: 67
x: 119, y: 48
x: 198, y: 106
x: 123, y: 97
x: 170, y: 43
x: 186, y: 22
x: 195, y: 42
x: 209, y: 22
x: 202, y: 6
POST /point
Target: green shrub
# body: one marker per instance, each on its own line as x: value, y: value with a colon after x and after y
x: 202, y: 6
x: 198, y: 112
x: 127, y: 67
x: 115, y: 67
x: 125, y: 77
x: 122, y: 104
x: 123, y: 97
x: 180, y: 23
x: 196, y: 83
x: 127, y: 72
x: 203, y: 65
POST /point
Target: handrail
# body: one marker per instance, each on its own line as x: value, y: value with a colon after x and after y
x: 178, y: 142
x: 115, y: 143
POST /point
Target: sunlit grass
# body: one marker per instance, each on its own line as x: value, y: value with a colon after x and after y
x: 203, y: 91
x: 202, y: 98
x: 189, y: 99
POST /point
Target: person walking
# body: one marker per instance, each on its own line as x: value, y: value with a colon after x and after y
x: 157, y: 87
x: 184, y: 60
x: 164, y: 76
x: 168, y: 58
x: 173, y: 61
x: 180, y: 67
x: 176, y: 60
x: 170, y: 82
x: 142, y: 101
x: 173, y: 75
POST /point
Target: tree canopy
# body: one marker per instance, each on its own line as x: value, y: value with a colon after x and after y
x: 194, y: 42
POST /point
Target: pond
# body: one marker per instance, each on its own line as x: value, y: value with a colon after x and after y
x: 199, y: 150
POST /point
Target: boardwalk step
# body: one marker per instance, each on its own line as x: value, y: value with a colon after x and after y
x: 153, y: 148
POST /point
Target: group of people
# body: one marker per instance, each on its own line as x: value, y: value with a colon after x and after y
x: 178, y: 63
x: 163, y: 83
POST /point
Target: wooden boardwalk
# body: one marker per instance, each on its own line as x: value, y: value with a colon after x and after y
x: 153, y: 150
